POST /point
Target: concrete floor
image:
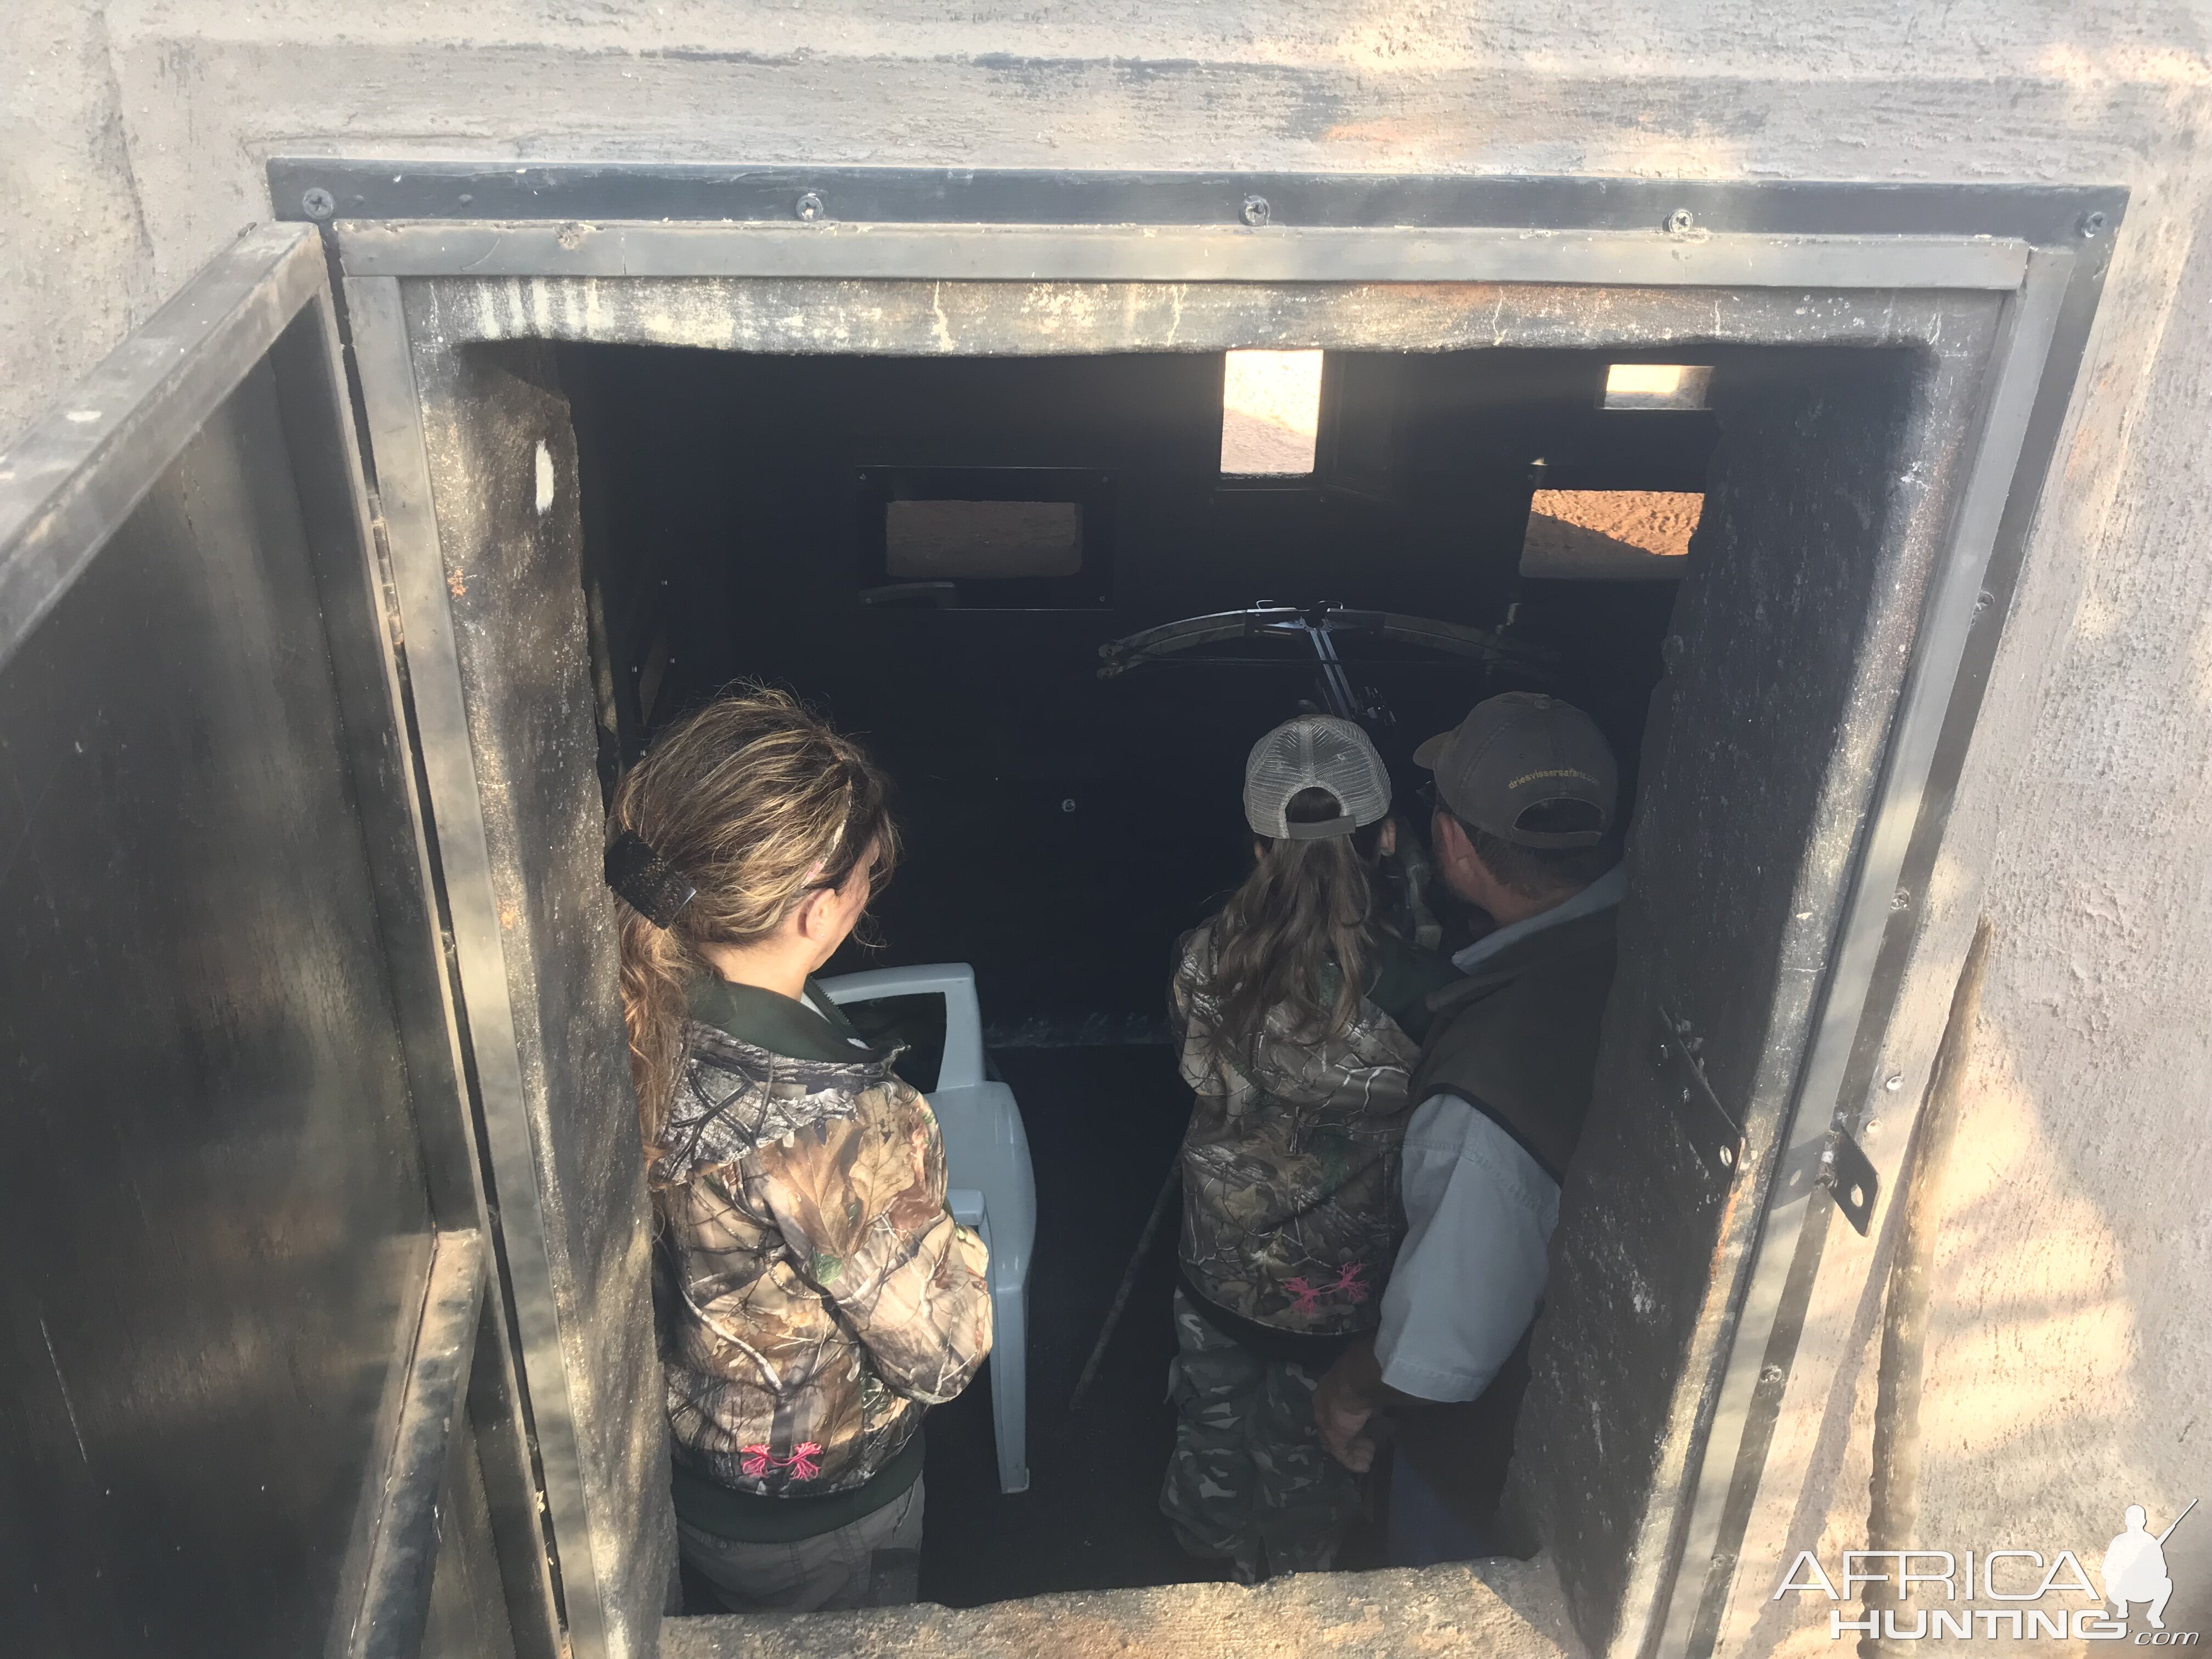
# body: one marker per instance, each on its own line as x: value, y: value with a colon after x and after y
x: 1506, y: 1608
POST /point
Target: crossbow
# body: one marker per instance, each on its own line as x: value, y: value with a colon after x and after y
x: 1318, y: 625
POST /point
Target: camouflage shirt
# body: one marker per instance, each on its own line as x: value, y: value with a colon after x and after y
x: 823, y: 1293
x: 1291, y: 1213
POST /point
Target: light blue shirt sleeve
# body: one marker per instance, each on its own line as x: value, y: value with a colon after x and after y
x: 1480, y: 1212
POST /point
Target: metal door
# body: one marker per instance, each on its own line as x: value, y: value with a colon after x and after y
x: 258, y: 1392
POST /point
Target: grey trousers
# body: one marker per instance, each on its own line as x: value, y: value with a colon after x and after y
x: 875, y: 1562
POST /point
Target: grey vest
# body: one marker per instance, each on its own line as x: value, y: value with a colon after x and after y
x: 1518, y: 1039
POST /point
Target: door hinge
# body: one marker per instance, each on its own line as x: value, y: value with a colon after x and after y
x: 1716, y: 1136
x: 1849, y: 1179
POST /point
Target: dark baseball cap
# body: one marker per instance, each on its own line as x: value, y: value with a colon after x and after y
x: 1529, y: 770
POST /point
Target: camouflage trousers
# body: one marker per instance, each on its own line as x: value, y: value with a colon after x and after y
x: 1250, y: 1481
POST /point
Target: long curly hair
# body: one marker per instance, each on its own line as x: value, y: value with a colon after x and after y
x: 1299, y: 934
x: 757, y: 802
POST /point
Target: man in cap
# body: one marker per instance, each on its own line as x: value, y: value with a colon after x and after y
x: 1523, y: 828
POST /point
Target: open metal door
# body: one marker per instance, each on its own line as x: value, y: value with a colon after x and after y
x: 259, y: 1386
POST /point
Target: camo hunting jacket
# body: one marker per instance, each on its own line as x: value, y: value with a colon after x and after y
x: 823, y: 1295
x: 1292, y: 1212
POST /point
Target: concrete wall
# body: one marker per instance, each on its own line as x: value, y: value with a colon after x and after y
x: 2068, y: 1360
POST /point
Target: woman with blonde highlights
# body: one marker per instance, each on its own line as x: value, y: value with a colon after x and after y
x: 818, y: 1295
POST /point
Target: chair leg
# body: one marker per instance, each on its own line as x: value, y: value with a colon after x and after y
x: 1010, y: 1386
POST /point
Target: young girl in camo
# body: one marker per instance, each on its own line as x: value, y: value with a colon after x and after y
x: 816, y: 1295
x: 1299, y: 1015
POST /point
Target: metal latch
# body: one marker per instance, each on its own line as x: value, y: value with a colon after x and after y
x: 1849, y: 1179
x: 1718, y: 1137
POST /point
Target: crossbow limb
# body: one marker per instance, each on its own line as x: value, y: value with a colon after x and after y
x: 1315, y: 624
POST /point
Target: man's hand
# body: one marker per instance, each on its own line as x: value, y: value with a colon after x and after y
x: 1349, y: 1395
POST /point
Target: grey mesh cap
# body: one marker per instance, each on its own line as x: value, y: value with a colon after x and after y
x: 1314, y: 751
x: 1520, y: 751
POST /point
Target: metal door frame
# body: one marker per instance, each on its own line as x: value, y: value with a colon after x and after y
x: 65, y: 488
x: 2045, y: 249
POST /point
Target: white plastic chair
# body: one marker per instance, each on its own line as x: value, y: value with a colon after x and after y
x: 993, y: 1188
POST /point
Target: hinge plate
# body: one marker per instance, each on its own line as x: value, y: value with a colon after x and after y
x: 1849, y: 1179
x: 1697, y: 1109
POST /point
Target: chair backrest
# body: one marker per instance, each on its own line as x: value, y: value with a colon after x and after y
x: 962, y: 1066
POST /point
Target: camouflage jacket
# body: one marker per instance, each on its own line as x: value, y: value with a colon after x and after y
x: 1292, y: 1214
x: 823, y: 1293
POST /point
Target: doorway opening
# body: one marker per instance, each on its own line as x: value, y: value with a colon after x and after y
x: 835, y: 476
x: 745, y: 516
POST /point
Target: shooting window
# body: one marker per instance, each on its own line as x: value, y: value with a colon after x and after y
x: 986, y: 539
x: 1270, y: 413
x: 1657, y: 386
x: 926, y: 541
x: 1610, y: 535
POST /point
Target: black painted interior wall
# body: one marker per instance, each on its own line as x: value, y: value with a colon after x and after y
x: 1064, y: 831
